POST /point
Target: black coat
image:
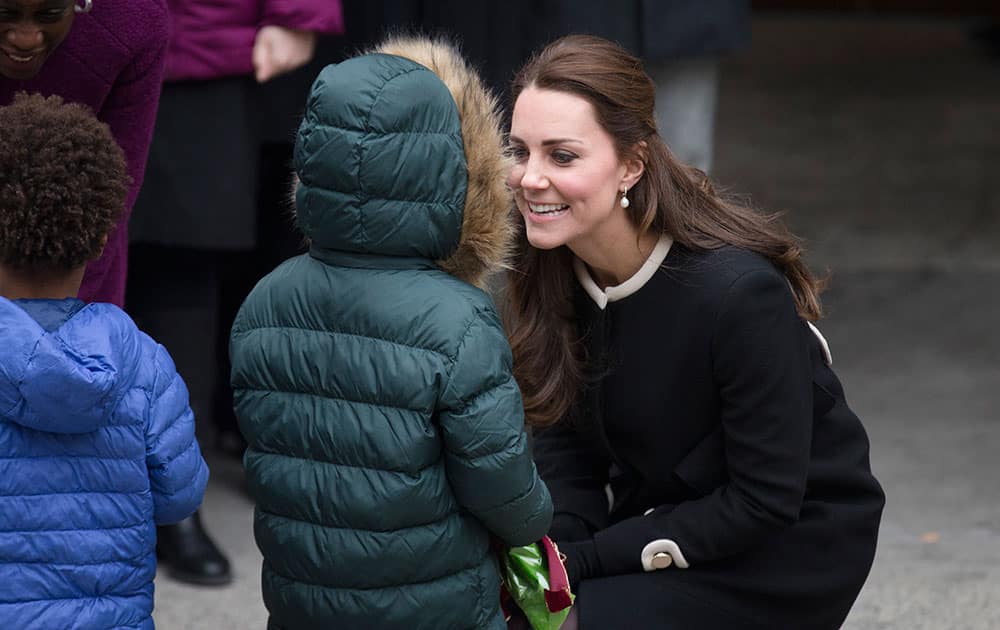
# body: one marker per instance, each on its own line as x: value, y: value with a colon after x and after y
x: 655, y: 30
x: 712, y: 402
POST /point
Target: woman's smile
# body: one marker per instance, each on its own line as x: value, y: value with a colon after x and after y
x: 20, y: 58
x: 546, y: 211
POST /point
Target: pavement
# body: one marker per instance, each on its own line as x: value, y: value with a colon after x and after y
x: 878, y: 139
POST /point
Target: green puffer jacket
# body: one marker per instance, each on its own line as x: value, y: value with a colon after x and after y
x: 373, y: 379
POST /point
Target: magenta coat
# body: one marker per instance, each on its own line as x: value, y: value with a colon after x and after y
x: 214, y: 38
x: 112, y: 61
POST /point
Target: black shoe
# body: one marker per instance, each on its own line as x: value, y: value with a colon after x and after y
x: 190, y: 555
x: 231, y: 444
x: 228, y: 439
x: 988, y: 36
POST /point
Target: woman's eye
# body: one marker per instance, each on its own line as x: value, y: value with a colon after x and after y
x: 53, y: 15
x: 518, y: 153
x: 563, y: 157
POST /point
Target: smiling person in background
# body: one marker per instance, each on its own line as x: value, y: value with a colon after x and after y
x: 27, y: 45
x: 108, y: 55
x: 662, y: 340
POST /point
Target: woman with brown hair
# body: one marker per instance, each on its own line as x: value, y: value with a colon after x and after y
x: 705, y: 468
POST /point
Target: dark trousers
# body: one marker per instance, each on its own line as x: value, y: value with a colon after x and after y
x: 187, y: 298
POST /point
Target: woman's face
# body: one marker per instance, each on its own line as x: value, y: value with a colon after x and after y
x: 29, y: 31
x: 568, y: 176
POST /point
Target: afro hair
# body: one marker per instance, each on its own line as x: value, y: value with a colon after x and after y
x: 63, y: 184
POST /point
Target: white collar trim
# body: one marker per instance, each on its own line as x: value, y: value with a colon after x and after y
x: 630, y: 286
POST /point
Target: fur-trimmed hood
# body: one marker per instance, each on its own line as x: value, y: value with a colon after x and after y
x: 400, y: 153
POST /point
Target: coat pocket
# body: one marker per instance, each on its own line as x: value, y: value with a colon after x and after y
x: 703, y: 469
x: 823, y: 401
x: 825, y: 391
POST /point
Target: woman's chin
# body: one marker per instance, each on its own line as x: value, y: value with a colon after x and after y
x: 544, y: 240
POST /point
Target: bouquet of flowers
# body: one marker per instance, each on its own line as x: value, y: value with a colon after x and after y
x: 535, y: 581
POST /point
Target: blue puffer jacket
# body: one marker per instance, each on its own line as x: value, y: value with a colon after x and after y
x: 97, y: 446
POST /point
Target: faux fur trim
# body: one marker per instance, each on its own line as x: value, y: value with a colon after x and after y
x: 487, y: 227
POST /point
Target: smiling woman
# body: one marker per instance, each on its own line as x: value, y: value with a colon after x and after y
x: 105, y: 54
x: 662, y: 342
x: 31, y: 29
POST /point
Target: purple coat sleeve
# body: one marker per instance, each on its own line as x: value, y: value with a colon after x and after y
x: 130, y: 111
x: 321, y: 16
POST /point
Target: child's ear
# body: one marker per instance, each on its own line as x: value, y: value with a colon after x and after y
x: 100, y: 252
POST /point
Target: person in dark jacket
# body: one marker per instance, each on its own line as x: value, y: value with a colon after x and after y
x: 705, y: 468
x: 97, y: 442
x: 372, y: 376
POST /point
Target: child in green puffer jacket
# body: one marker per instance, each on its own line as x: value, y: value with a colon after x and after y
x: 372, y: 376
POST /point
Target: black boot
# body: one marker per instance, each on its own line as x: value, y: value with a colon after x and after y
x: 228, y: 439
x: 237, y: 278
x: 189, y: 555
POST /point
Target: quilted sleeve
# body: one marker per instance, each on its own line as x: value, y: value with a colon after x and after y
x: 177, y: 473
x: 489, y: 464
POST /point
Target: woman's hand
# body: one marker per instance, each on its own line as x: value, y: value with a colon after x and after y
x: 278, y: 50
x: 582, y: 561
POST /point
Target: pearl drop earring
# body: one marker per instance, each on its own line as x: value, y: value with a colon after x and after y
x: 624, y: 202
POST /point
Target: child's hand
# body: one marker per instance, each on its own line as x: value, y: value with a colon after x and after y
x: 278, y: 50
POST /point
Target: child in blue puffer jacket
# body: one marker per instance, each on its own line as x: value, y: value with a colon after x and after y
x: 97, y: 441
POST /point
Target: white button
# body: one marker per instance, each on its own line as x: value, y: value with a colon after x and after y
x: 662, y: 553
x: 662, y: 560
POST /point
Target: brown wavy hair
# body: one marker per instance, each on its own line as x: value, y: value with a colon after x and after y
x: 62, y: 184
x: 670, y: 198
